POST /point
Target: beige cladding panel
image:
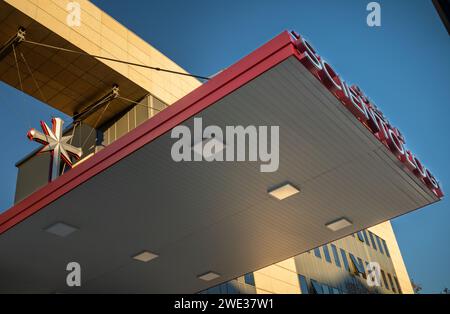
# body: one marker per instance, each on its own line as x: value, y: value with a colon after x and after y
x: 100, y: 34
x: 279, y: 278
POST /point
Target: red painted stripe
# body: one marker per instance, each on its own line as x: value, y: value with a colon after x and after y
x: 251, y: 66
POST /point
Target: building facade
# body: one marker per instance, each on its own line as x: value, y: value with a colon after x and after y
x: 335, y: 267
x: 338, y: 267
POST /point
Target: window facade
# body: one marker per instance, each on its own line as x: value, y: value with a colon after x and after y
x: 398, y: 285
x: 359, y: 267
x: 249, y: 279
x: 235, y: 286
x: 326, y: 289
x: 360, y: 236
x: 317, y: 288
x: 344, y: 260
x: 391, y: 283
x: 375, y: 241
x: 129, y: 119
x: 366, y: 237
x: 383, y: 275
x: 386, y: 248
x: 303, y: 284
x: 372, y: 240
x: 317, y: 252
x: 361, y: 264
x: 326, y: 253
x: 380, y: 247
x: 335, y: 255
x: 351, y: 271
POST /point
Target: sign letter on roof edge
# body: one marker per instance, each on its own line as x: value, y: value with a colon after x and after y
x: 365, y: 111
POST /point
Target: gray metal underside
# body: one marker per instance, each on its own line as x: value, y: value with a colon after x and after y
x: 202, y: 216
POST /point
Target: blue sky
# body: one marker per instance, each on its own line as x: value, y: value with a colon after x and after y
x: 403, y: 66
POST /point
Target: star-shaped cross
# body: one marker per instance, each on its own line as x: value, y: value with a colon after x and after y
x: 55, y: 143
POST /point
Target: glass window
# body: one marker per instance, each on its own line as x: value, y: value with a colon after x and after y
x: 158, y: 105
x: 233, y: 287
x: 141, y: 111
x: 360, y: 236
x: 326, y: 253
x: 303, y: 284
x: 358, y: 267
x: 223, y: 288
x: 122, y: 126
x: 216, y: 290
x: 336, y: 255
x: 366, y: 238
x: 344, y: 260
x: 398, y: 285
x: 362, y: 267
x: 317, y: 252
x: 316, y: 287
x: 249, y: 279
x: 386, y: 248
x: 391, y: 282
x: 379, y: 244
x: 372, y: 240
x: 384, y: 279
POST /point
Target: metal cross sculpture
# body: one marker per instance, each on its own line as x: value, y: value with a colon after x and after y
x: 55, y: 143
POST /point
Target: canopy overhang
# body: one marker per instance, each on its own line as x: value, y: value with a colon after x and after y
x: 211, y: 216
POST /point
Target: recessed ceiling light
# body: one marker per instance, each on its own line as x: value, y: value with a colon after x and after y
x: 209, y: 276
x: 339, y: 224
x: 61, y: 229
x: 283, y: 191
x: 145, y: 256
